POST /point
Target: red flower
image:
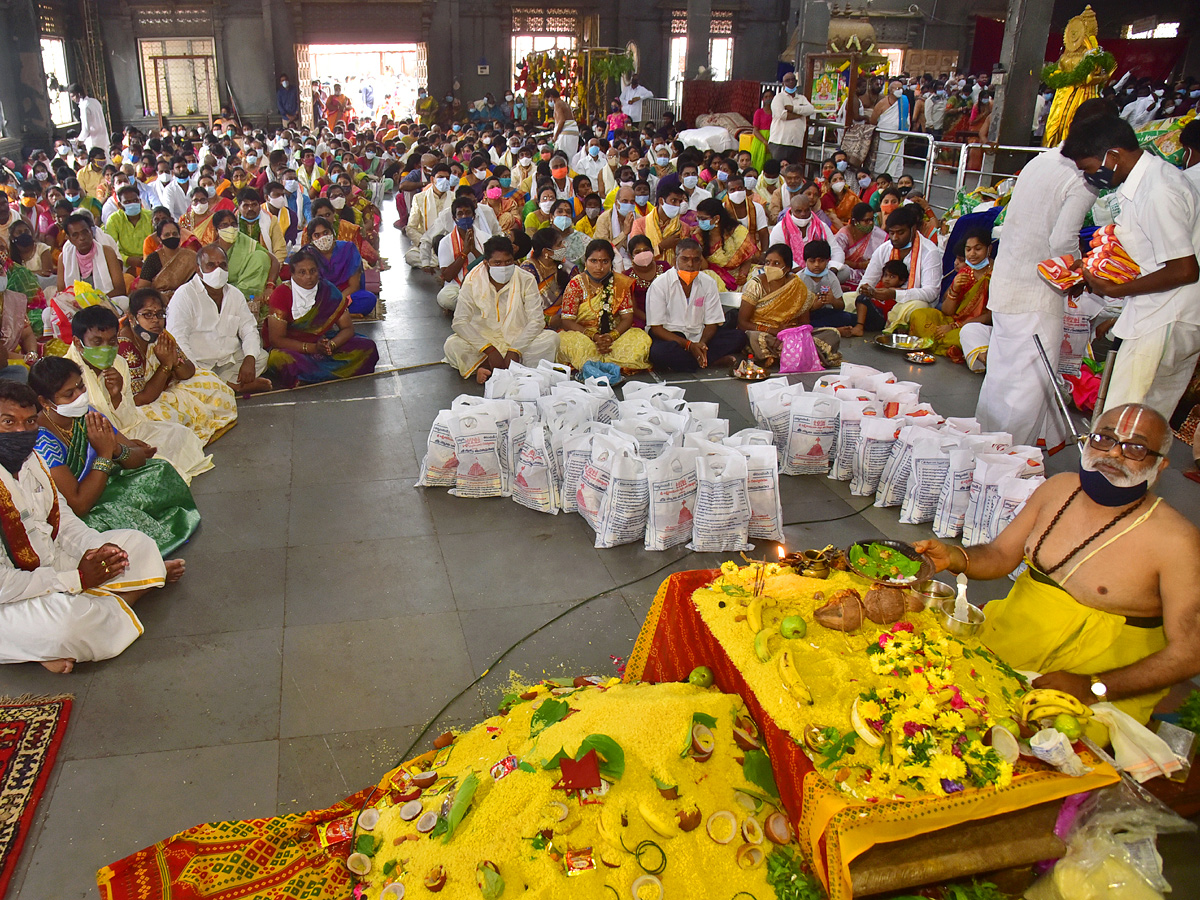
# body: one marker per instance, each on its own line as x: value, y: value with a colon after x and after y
x: 903, y: 626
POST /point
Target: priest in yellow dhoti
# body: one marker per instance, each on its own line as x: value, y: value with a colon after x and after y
x: 597, y: 316
x: 1107, y: 609
x: 1078, y: 75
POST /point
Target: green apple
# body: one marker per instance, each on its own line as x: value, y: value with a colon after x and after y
x: 793, y: 627
x: 1010, y: 725
x: 702, y: 676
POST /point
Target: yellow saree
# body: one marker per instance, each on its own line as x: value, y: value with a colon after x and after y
x: 588, y: 304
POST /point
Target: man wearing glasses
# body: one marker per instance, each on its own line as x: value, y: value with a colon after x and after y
x: 1107, y: 608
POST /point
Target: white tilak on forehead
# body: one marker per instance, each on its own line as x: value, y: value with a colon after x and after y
x: 1128, y: 423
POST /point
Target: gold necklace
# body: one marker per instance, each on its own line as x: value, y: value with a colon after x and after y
x: 64, y: 437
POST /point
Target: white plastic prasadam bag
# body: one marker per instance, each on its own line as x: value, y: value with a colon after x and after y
x: 440, y: 462
x: 514, y: 438
x: 607, y: 409
x: 613, y: 495
x: 985, y: 491
x: 751, y: 436
x: 534, y: 483
x: 662, y: 396
x: 650, y: 439
x: 956, y: 492
x: 671, y: 482
x: 722, y: 520
x: 930, y: 463
x: 502, y: 412
x: 812, y: 433
x: 715, y: 430
x: 852, y: 412
x: 576, y: 451
x: 876, y: 438
x: 575, y: 407
x: 1013, y: 493
x: 762, y: 489
x: 759, y: 391
x: 477, y: 445
x: 893, y: 481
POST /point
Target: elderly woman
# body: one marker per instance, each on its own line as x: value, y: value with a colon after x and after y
x: 309, y: 332
x: 543, y: 216
x: 341, y: 263
x: 170, y: 266
x: 727, y: 245
x: 772, y: 300
x: 167, y: 386
x: 107, y: 479
x: 597, y: 316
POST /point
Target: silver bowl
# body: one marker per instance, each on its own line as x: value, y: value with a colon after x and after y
x: 923, y: 573
x: 933, y: 592
x: 903, y: 343
x: 944, y: 613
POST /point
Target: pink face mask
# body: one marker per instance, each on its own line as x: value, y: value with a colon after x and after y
x: 643, y: 258
x: 493, y: 193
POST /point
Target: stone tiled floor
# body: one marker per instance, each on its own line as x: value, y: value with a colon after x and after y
x: 331, y: 609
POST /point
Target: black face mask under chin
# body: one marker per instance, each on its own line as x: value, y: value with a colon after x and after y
x: 1100, y: 490
x: 148, y: 336
x: 15, y: 447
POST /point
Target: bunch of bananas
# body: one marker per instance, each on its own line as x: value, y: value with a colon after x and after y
x: 1045, y: 703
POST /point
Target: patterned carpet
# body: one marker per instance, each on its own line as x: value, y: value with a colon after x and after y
x: 31, y: 731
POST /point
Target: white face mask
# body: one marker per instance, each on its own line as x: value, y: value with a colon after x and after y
x: 545, y: 206
x: 837, y: 186
x: 289, y: 185
x: 337, y: 202
x: 801, y: 221
x: 737, y: 196
x: 670, y: 210
x: 441, y: 185
x: 75, y: 408
x: 897, y: 91
x: 751, y: 182
x: 324, y: 243
x: 277, y: 202
x: 199, y: 207
x: 501, y: 274
x: 164, y: 177
x: 217, y: 278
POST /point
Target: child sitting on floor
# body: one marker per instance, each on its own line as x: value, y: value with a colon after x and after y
x: 872, y: 314
x: 828, y: 309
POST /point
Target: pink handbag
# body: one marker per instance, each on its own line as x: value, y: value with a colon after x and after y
x: 799, y: 353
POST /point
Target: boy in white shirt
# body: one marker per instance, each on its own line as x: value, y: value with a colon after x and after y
x: 828, y: 309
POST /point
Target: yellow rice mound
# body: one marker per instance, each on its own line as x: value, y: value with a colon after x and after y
x: 652, y: 724
x: 837, y: 669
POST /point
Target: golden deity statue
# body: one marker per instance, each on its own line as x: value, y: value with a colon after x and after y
x: 1078, y: 75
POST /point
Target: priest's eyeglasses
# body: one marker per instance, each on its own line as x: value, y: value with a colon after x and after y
x: 1129, y: 450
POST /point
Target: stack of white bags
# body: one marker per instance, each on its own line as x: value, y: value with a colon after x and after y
x: 656, y: 468
x: 649, y: 467
x: 866, y: 427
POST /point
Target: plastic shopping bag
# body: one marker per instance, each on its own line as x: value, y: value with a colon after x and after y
x: 671, y: 480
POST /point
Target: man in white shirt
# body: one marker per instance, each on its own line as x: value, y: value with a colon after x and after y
x: 632, y: 97
x: 498, y: 319
x: 209, y: 319
x: 486, y: 224
x: 1141, y: 110
x: 590, y: 161
x: 689, y: 177
x: 65, y: 589
x: 689, y: 329
x: 1159, y: 226
x: 1189, y: 139
x: 174, y: 194
x: 425, y: 207
x: 1047, y: 209
x: 93, y: 130
x: 919, y: 254
x: 789, y: 118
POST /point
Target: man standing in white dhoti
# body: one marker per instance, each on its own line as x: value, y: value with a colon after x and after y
x: 1158, y: 224
x: 1047, y: 209
x: 65, y: 589
x: 498, y: 318
x: 891, y: 114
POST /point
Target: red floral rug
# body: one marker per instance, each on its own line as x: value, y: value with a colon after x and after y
x: 31, y: 731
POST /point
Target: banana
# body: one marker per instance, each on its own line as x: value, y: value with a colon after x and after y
x: 754, y: 615
x: 666, y: 828
x: 1043, y: 701
x: 865, y: 731
x: 1050, y: 710
x: 792, y: 680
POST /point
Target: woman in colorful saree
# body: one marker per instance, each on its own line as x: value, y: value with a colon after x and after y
x: 170, y: 266
x: 309, y: 332
x: 727, y: 245
x: 772, y: 300
x: 197, y: 219
x: 966, y: 299
x: 544, y: 263
x: 859, y: 240
x: 166, y: 384
x: 597, y: 316
x: 108, y: 480
x: 341, y: 263
x: 22, y: 254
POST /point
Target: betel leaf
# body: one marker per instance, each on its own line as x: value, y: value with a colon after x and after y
x: 525, y: 767
x: 389, y: 867
x: 552, y: 762
x: 612, y: 757
x: 704, y: 719
x: 550, y: 712
x: 365, y: 844
x: 757, y: 770
x: 489, y: 881
x: 462, y: 799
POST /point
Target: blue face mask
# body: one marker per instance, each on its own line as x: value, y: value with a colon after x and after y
x: 251, y: 221
x: 131, y: 209
x: 842, y: 165
x: 182, y: 179
x: 624, y: 209
x: 722, y: 176
x: 192, y: 167
x: 789, y: 90
x: 905, y: 247
x: 74, y: 198
x: 593, y: 152
x: 562, y: 223
x: 706, y: 224
x: 505, y: 183
x: 465, y: 222
x: 982, y: 264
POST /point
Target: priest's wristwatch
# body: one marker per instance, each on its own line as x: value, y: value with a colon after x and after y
x: 1099, y: 689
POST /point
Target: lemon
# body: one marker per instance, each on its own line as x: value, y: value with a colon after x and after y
x: 1068, y: 725
x: 701, y: 676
